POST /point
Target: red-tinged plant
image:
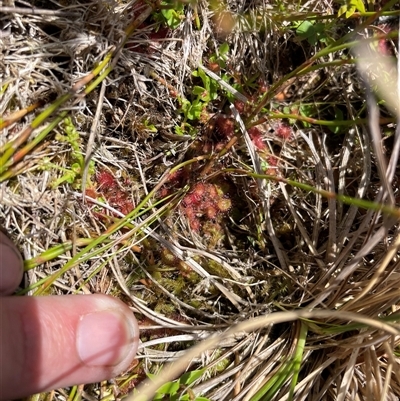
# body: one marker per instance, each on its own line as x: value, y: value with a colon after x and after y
x: 91, y: 192
x: 257, y: 138
x: 195, y: 224
x: 211, y: 212
x: 240, y: 106
x: 214, y: 67
x: 213, y: 192
x: 191, y: 200
x: 224, y: 127
x: 284, y: 131
x: 205, y: 203
x: 175, y: 179
x: 163, y: 192
x: 121, y: 202
x: 200, y: 190
x: 272, y: 165
x: 224, y: 205
x: 106, y: 180
x: 112, y: 191
x: 262, y: 85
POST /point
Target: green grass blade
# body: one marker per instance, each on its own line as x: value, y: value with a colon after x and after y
x: 298, y: 358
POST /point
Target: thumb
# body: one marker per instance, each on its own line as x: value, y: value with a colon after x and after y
x: 57, y: 341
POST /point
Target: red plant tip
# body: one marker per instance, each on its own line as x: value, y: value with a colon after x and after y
x: 211, y: 212
x: 175, y: 176
x: 257, y: 138
x: 214, y: 67
x: 106, y: 180
x: 194, y: 224
x: 212, y: 192
x: 126, y: 207
x: 263, y: 86
x: 120, y: 201
x: 190, y: 212
x: 272, y: 166
x: 224, y: 205
x: 199, y: 189
x: 283, y: 131
x: 240, y: 106
x: 224, y: 127
x: 192, y: 199
x: 385, y: 47
x: 91, y: 192
x: 272, y: 161
x: 163, y: 192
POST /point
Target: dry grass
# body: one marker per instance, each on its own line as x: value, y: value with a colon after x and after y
x: 267, y: 235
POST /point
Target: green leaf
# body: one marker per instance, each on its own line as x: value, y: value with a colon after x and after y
x: 214, y: 86
x: 350, y: 12
x: 151, y: 376
x: 350, y: 7
x: 336, y: 129
x: 305, y: 29
x: 189, y: 377
x: 185, y: 105
x: 204, y: 78
x: 76, y: 168
x: 342, y: 10
x: 306, y: 110
x: 169, y: 388
x: 194, y: 111
x: 178, y: 397
x: 358, y: 4
x: 223, y: 49
x: 198, y: 90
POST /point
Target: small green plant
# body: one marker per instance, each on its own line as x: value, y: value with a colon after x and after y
x: 72, y: 174
x: 179, y: 389
x: 350, y: 7
x: 196, y: 109
x: 149, y: 126
x: 221, y: 57
x: 171, y: 13
x: 313, y: 32
x: 192, y: 110
x: 209, y: 90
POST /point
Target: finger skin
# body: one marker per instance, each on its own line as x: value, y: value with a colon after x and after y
x: 11, y: 268
x: 38, y: 350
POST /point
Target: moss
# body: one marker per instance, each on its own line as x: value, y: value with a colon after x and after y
x: 216, y: 269
x: 165, y: 308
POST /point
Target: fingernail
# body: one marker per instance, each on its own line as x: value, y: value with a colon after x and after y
x: 104, y: 338
x: 11, y: 265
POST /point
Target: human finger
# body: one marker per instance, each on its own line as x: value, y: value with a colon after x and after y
x: 58, y: 341
x: 11, y: 265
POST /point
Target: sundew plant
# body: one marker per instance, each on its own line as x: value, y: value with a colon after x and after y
x: 227, y: 169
